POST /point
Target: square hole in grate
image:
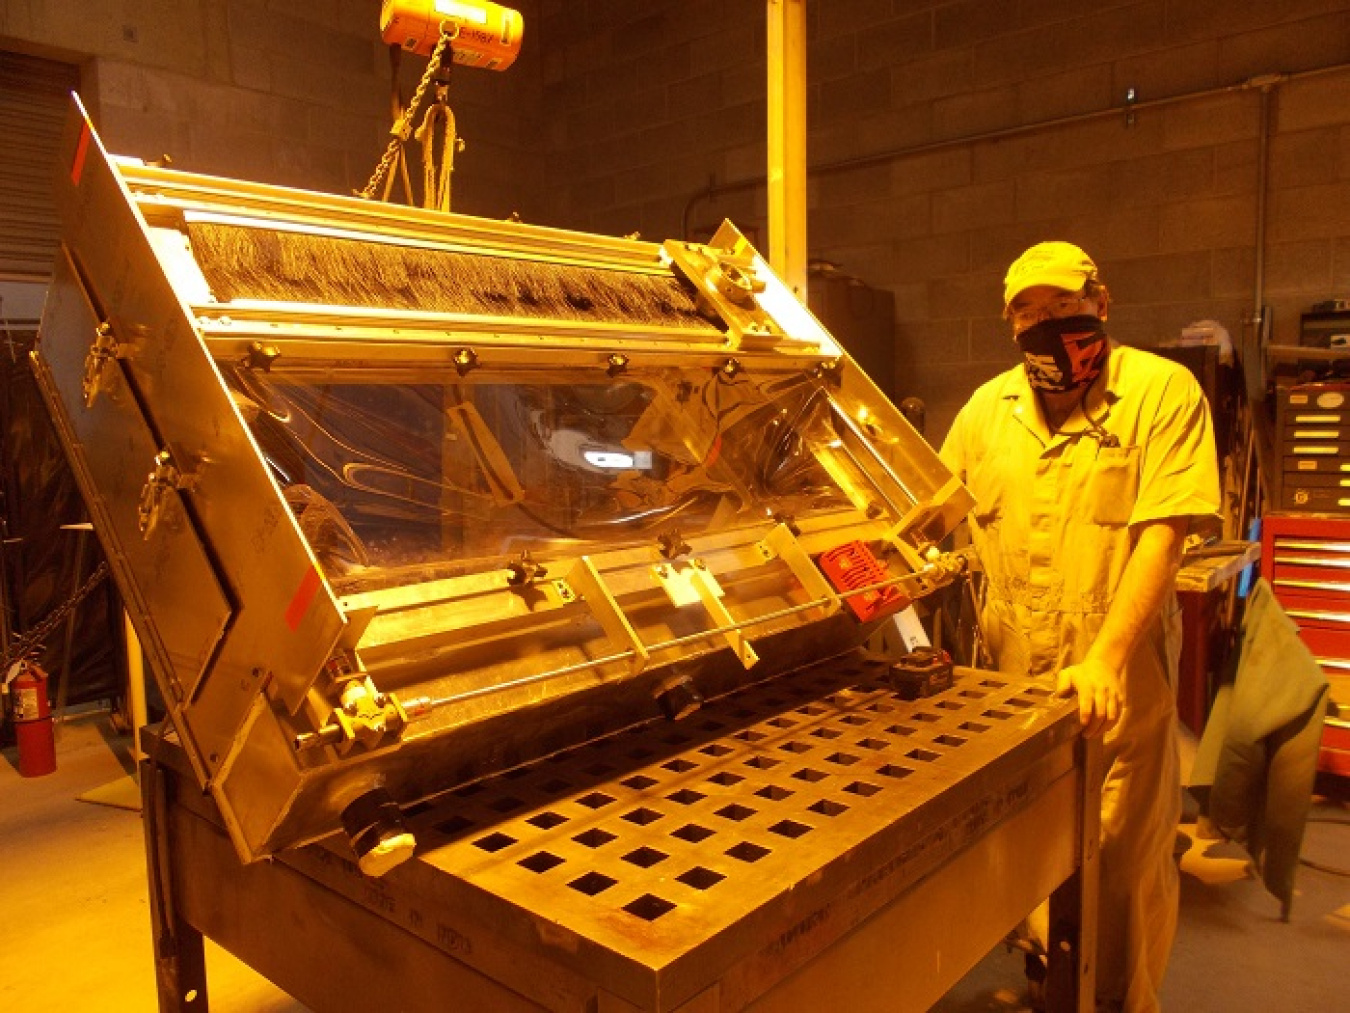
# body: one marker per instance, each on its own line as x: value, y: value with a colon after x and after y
x: 811, y: 709
x: 494, y: 842
x: 416, y: 810
x: 638, y: 781
x: 950, y: 705
x: 592, y: 883
x: 762, y: 762
x: 469, y: 789
x: 594, y: 837
x: 649, y: 907
x: 716, y: 749
x: 862, y: 788
x: 926, y: 755
x: 1018, y: 703
x: 736, y: 812
x: 796, y: 747
x: 855, y: 719
x: 642, y: 816
x: 454, y: 826
x: 827, y: 808
x: 774, y: 793
x: 640, y: 753
x: 782, y: 722
x: 676, y: 738
x: 749, y: 735
x: 899, y: 730
x: 1036, y: 691
x: 693, y: 833
x: 726, y: 778
x: 925, y: 716
x: 517, y: 774
x: 741, y: 713
x: 700, y: 878
x: 879, y: 708
x: 555, y: 786
x: 773, y: 701
x: 873, y: 743
x: 747, y: 852
x: 892, y: 770
x: 679, y: 766
x: 812, y: 776
x: 949, y: 740
x: 998, y: 715
x: 541, y: 861
x: 595, y: 800
x: 686, y: 796
x: 789, y: 828
x: 973, y: 726
x: 827, y: 733
x: 973, y: 694
x: 993, y: 683
x: 712, y: 726
x: 843, y: 759
x: 546, y: 820
x: 506, y: 805
x: 645, y: 858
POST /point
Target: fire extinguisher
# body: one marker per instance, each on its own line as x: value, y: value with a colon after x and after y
x: 31, y: 711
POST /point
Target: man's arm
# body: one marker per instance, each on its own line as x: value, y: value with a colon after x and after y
x: 1149, y: 574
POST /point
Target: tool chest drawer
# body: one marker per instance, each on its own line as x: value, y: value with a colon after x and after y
x: 1306, y: 559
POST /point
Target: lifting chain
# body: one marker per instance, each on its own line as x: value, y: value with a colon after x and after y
x: 24, y: 644
x: 402, y: 129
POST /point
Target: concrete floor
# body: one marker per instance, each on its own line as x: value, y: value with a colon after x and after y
x: 75, y: 928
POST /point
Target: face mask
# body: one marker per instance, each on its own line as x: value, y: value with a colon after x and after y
x: 1064, y: 354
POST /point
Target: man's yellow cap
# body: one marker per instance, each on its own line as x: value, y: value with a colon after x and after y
x: 1061, y: 265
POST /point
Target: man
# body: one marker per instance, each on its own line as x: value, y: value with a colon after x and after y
x: 1089, y: 462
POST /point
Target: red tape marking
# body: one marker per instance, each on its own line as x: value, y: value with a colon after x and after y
x: 81, y: 149
x: 304, y: 595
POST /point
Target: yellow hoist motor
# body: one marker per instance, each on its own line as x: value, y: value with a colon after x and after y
x: 485, y: 35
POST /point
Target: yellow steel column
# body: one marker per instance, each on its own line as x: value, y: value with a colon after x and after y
x: 787, y: 142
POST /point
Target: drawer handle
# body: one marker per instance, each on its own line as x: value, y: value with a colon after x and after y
x: 1313, y: 585
x: 1341, y: 564
x: 1331, y: 617
x: 1343, y: 547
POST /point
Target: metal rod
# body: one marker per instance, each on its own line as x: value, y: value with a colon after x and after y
x: 664, y: 645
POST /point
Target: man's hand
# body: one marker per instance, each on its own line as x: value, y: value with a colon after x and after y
x: 1099, y: 697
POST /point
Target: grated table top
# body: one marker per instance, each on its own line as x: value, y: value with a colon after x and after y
x: 654, y: 841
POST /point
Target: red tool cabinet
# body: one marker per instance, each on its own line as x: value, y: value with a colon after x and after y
x: 1306, y: 559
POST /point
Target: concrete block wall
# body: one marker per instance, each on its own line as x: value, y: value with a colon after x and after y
x: 980, y: 126
x: 291, y: 92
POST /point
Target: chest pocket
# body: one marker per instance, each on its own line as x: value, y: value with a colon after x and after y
x: 985, y: 481
x: 1113, y: 485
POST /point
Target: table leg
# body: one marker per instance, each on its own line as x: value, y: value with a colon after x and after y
x: 1070, y: 983
x: 180, y: 957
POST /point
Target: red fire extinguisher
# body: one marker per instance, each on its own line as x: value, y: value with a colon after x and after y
x: 32, y: 714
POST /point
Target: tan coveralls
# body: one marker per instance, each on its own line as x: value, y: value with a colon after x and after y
x: 1054, y: 526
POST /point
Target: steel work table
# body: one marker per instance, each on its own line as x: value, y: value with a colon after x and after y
x: 815, y: 842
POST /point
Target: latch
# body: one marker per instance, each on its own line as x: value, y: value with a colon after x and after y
x: 163, y: 477
x: 105, y: 349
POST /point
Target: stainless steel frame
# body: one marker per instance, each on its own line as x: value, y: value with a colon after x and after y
x: 814, y: 843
